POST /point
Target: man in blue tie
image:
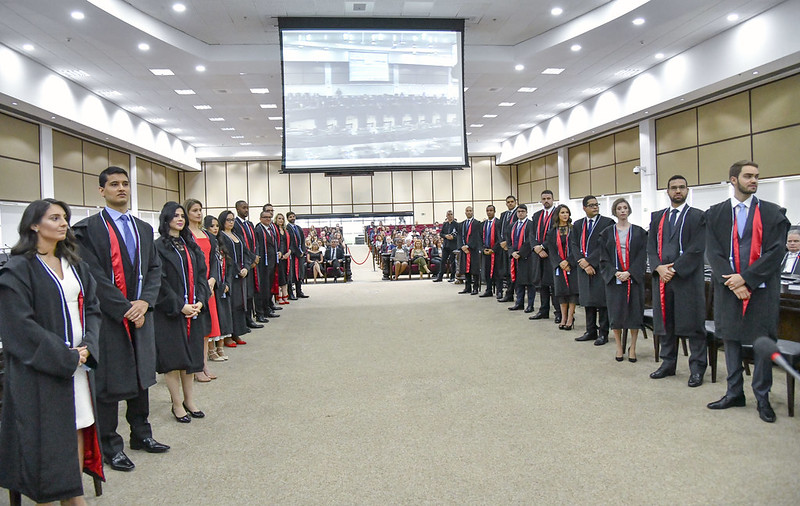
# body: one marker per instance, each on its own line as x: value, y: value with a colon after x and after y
x: 297, y: 243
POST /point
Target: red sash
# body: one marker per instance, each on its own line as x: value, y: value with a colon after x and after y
x: 118, y: 271
x: 466, y: 241
x: 661, y: 285
x: 625, y: 263
x: 516, y: 244
x: 755, y: 245
x: 562, y: 252
x: 539, y: 237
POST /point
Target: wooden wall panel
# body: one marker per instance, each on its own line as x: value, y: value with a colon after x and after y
x: 144, y: 172
x: 603, y: 181
x: 216, y: 185
x: 678, y: 162
x: 601, y: 151
x: 278, y: 186
x: 95, y: 158
x: 257, y: 183
x: 778, y: 152
x: 627, y: 181
x: 715, y: 159
x: 552, y: 185
x: 145, y: 197
x: 482, y: 178
x: 195, y: 186
x: 423, y: 212
x: 676, y: 131
x: 362, y: 190
x: 382, y: 188
x: 524, y: 172
x: 724, y: 119
x: 579, y: 158
x: 551, y: 165
x: 524, y: 192
x: 119, y: 159
x: 172, y: 180
x: 300, y: 186
x: 67, y: 152
x: 19, y: 139
x: 579, y: 185
x: 26, y: 187
x: 423, y: 187
x: 159, y: 175
x: 342, y: 191
x: 462, y: 184
x: 443, y: 185
x: 236, y: 175
x: 776, y: 104
x: 501, y: 181
x: 91, y: 192
x: 626, y: 145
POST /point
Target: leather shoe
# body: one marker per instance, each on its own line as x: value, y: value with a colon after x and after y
x: 194, y: 414
x: 149, y: 445
x: 262, y: 319
x: 120, y: 462
x: 485, y: 294
x: 507, y: 298
x: 695, y: 380
x: 730, y: 402
x: 663, y: 372
x: 292, y: 297
x: 601, y: 340
x: 587, y: 336
x: 273, y: 314
x: 557, y: 319
x: 302, y: 295
x: 474, y: 292
x: 464, y: 291
x: 766, y: 412
x: 515, y: 307
x: 275, y: 308
x: 540, y: 316
x: 253, y: 325
x: 437, y: 280
x: 529, y: 310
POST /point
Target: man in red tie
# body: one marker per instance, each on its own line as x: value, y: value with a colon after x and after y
x: 492, y: 251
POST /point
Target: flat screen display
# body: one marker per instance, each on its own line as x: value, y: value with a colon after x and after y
x: 372, y: 94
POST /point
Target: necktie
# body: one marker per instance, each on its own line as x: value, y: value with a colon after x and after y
x: 127, y: 236
x: 741, y: 218
x: 589, y: 227
x: 673, y: 216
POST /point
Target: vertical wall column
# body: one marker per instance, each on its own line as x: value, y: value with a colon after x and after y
x: 134, y: 178
x: 647, y: 162
x: 46, y: 176
x: 563, y: 174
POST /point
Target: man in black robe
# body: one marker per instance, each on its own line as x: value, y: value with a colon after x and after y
x: 492, y: 251
x: 542, y: 269
x: 745, y: 240
x: 269, y: 209
x: 507, y: 220
x: 585, y: 250
x: 297, y: 244
x: 265, y: 249
x: 469, y: 239
x: 244, y: 230
x: 676, y: 247
x: 120, y: 252
x: 521, y: 261
x: 449, y: 237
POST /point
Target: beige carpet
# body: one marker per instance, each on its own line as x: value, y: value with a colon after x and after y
x: 379, y: 392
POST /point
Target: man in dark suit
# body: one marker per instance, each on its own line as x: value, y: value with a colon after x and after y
x: 542, y: 220
x: 244, y: 230
x: 274, y: 229
x: 449, y: 235
x: 790, y: 264
x: 265, y: 248
x: 297, y: 243
x: 507, y: 220
x: 122, y: 258
x: 469, y: 239
x: 745, y: 240
x: 334, y: 257
x: 492, y: 251
x: 520, y: 267
x: 585, y: 250
x: 676, y: 247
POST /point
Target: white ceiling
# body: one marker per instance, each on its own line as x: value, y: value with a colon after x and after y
x: 237, y: 42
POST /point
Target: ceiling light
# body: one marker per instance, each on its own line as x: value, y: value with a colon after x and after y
x: 466, y: 88
x: 575, y: 48
x: 144, y: 46
x: 278, y: 128
x: 245, y: 143
x: 185, y: 92
x: 14, y: 103
x: 469, y: 133
x: 638, y: 21
x: 162, y: 72
x: 237, y: 136
x: 227, y: 129
x: 28, y: 47
x: 552, y: 71
x: 526, y: 89
x: 755, y: 72
x: 178, y: 7
x: 200, y: 68
x: 659, y: 56
x: 268, y: 106
x: 476, y: 125
x: 490, y: 115
x: 73, y: 74
x: 625, y: 73
x: 216, y: 119
x: 556, y: 11
x: 506, y: 104
x: 733, y: 17
x: 259, y: 91
x: 203, y: 107
x: 77, y: 15
x: 275, y: 118
x: 519, y: 66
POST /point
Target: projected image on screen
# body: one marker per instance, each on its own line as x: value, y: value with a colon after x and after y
x: 366, y: 99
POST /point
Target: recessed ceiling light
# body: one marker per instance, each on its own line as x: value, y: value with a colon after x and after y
x: 466, y: 88
x: 556, y: 11
x: 575, y: 48
x: 73, y: 74
x: 136, y: 108
x: 268, y: 106
x: 144, y: 46
x: 278, y: 128
x: 259, y: 91
x: 490, y: 115
x: 200, y: 68
x: 469, y: 133
x: 506, y: 104
x: 245, y: 143
x: 237, y: 136
x: 526, y: 89
x: 755, y: 72
x: 227, y: 129
x: 476, y: 125
x: 733, y: 17
x: 638, y: 21
x: 659, y: 56
x: 185, y: 92
x: 28, y: 47
x: 624, y: 73
x: 202, y: 107
x: 216, y: 119
x: 162, y: 72
x: 52, y: 117
x: 178, y: 7
x: 552, y: 71
x: 275, y: 118
x: 77, y: 15
x: 519, y: 67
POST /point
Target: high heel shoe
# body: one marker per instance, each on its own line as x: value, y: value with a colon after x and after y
x: 631, y: 359
x: 181, y: 419
x: 566, y: 327
x: 619, y: 359
x: 195, y: 414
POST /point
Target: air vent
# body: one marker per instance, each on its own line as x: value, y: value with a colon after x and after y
x: 359, y: 7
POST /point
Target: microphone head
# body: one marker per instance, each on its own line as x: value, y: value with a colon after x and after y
x: 764, y: 346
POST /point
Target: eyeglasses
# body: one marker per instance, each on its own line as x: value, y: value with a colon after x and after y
x: 593, y: 205
x: 230, y: 219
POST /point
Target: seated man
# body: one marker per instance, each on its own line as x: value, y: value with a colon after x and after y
x: 334, y: 256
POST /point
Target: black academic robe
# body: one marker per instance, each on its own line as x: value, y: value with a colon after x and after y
x: 470, y: 237
x: 127, y: 362
x: 449, y: 228
x: 282, y: 246
x: 242, y: 258
x: 542, y: 270
x: 562, y: 285
x: 624, y: 312
x: 223, y: 274
x: 491, y: 237
x: 592, y: 289
x: 521, y: 241
x: 38, y: 447
x: 178, y: 348
x: 265, y: 248
x: 762, y: 277
x: 245, y: 231
x: 297, y: 246
x: 685, y: 246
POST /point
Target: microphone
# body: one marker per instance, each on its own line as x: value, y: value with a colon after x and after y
x: 768, y: 347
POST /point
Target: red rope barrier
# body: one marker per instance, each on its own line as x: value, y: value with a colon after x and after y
x: 356, y: 261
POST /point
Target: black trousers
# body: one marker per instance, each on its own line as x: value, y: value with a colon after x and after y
x: 138, y: 410
x: 448, y: 259
x: 762, y: 372
x: 698, y: 346
x: 546, y: 295
x: 592, y: 326
x: 520, y: 291
x: 492, y: 281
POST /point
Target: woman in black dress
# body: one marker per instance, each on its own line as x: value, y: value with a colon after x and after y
x: 565, y: 277
x: 240, y: 259
x: 623, y: 260
x: 223, y: 275
x: 184, y: 292
x: 314, y: 259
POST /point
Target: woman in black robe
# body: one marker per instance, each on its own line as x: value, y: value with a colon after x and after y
x: 282, y: 245
x: 241, y: 259
x: 223, y: 275
x: 623, y: 260
x: 565, y: 277
x: 184, y: 293
x: 49, y: 323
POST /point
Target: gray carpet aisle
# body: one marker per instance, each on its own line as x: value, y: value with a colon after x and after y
x: 379, y: 392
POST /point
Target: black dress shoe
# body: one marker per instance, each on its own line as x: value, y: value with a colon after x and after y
x: 276, y: 308
x: 292, y: 297
x: 485, y: 294
x: 507, y: 298
x: 766, y: 412
x: 729, y: 402
x: 120, y: 462
x: 253, y: 325
x: 194, y: 414
x: 302, y: 295
x: 149, y: 445
x: 695, y: 380
x: 557, y: 319
x: 474, y: 292
x: 262, y: 319
x: 540, y: 316
x: 515, y: 307
x: 587, y: 336
x: 529, y: 310
x: 451, y: 280
x: 663, y: 372
x: 464, y: 291
x: 437, y: 280
x: 601, y: 340
x: 273, y: 314
x: 181, y: 419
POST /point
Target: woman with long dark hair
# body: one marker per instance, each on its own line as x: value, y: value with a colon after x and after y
x: 222, y: 292
x: 284, y: 253
x: 565, y: 278
x: 242, y: 258
x: 184, y: 293
x: 50, y: 324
